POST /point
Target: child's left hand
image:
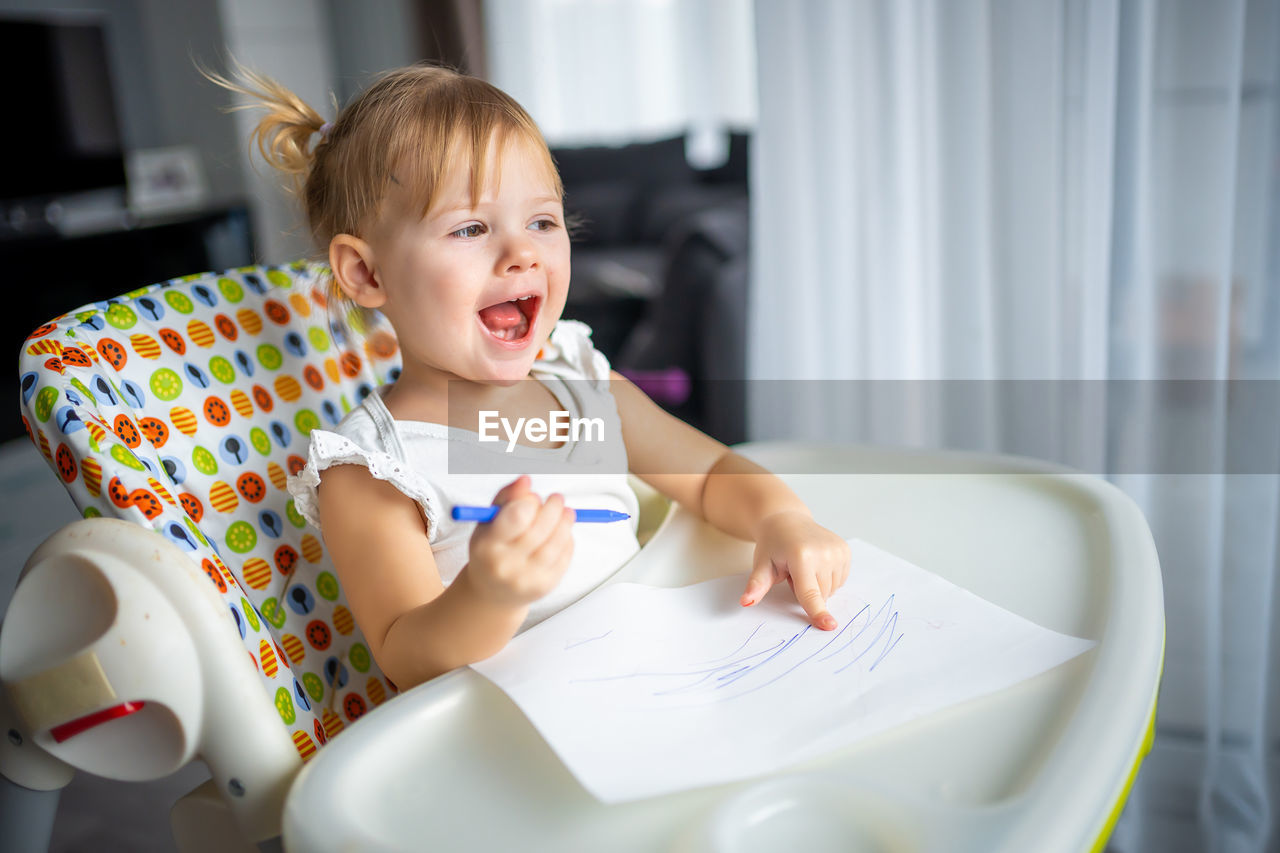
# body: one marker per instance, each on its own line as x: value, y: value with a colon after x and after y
x: 814, y: 561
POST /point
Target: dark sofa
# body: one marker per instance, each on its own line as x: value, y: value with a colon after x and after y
x: 660, y: 271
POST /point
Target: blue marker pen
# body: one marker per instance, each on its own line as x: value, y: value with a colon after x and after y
x: 484, y: 514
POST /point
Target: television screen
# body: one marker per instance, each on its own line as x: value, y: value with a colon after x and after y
x: 63, y: 136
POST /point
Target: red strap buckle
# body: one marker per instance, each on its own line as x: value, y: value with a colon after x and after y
x: 83, y: 724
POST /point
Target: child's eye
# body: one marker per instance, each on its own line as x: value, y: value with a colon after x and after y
x: 545, y: 225
x: 475, y: 229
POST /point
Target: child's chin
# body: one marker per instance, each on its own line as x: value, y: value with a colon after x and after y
x: 511, y: 373
x: 504, y: 382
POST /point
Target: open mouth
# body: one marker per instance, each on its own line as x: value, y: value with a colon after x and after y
x: 511, y: 321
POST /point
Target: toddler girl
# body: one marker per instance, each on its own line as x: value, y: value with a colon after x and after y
x: 439, y: 205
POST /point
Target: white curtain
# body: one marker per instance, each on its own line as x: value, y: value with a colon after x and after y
x: 595, y: 72
x: 1051, y: 191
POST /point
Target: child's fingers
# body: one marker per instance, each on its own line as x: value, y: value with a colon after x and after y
x: 543, y: 525
x: 515, y: 517
x: 557, y: 549
x: 842, y: 575
x: 518, y: 487
x: 809, y: 594
x: 759, y: 582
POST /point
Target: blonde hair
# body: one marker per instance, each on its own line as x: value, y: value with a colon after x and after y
x: 412, y: 126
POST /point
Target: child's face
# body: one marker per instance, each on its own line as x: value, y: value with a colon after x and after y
x: 474, y: 292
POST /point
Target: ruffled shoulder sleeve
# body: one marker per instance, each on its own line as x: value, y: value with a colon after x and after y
x: 331, y: 448
x: 570, y: 354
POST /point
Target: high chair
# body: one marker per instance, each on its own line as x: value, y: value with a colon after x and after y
x: 1044, y: 765
x: 145, y: 636
x: 191, y: 615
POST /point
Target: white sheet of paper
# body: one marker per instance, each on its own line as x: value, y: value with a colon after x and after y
x: 645, y: 690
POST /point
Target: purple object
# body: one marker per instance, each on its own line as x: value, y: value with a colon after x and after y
x: 671, y: 386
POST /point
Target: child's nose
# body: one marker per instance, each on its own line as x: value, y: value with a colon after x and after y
x: 519, y: 254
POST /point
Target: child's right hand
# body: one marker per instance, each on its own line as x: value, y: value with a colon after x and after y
x: 521, y: 555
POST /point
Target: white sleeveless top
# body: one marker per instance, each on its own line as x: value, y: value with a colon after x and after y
x: 440, y: 467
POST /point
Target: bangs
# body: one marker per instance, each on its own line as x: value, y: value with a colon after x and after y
x: 477, y: 131
x: 410, y: 131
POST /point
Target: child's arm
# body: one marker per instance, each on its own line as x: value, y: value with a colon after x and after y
x: 738, y: 497
x: 416, y: 627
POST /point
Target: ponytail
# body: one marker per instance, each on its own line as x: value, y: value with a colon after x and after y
x: 284, y: 139
x: 284, y: 133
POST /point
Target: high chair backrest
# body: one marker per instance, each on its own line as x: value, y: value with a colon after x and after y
x: 182, y: 407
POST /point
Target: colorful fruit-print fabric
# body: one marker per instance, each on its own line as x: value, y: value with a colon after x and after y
x: 183, y: 407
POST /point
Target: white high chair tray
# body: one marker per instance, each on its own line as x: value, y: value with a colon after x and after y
x: 453, y: 764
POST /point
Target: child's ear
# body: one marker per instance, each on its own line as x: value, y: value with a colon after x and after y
x: 351, y: 260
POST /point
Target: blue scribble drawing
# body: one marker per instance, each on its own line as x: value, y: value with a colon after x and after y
x: 887, y: 625
x: 866, y: 638
x: 573, y: 644
x: 739, y: 648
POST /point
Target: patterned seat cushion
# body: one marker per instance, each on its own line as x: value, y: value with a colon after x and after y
x: 182, y: 407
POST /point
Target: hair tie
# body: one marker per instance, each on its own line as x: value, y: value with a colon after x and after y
x: 324, y: 129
